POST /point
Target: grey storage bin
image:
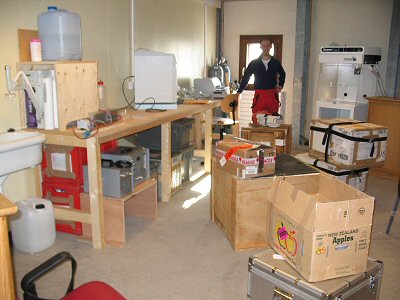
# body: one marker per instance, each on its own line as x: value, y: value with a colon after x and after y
x: 176, y: 170
x: 180, y: 135
x: 187, y: 162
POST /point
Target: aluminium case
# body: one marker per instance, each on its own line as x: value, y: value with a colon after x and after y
x: 271, y: 278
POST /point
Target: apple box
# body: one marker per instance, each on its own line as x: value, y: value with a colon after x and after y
x: 320, y: 225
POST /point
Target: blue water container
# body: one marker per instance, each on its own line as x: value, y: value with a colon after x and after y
x: 61, y: 34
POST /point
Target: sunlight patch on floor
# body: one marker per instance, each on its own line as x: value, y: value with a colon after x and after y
x: 197, y: 175
x: 202, y: 188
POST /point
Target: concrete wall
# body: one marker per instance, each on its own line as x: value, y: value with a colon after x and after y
x: 261, y: 17
x: 174, y: 26
x: 355, y: 22
x: 105, y: 38
x: 177, y: 26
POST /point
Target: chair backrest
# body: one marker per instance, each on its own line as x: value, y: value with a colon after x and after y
x: 229, y: 105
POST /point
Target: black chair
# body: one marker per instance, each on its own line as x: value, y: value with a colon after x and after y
x: 94, y: 290
x: 394, y: 211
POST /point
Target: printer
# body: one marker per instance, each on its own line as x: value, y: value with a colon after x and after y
x: 211, y: 87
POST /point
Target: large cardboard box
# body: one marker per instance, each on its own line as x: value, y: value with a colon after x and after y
x: 320, y: 225
x: 240, y: 206
x: 348, y: 143
x: 245, y: 159
x: 356, y: 178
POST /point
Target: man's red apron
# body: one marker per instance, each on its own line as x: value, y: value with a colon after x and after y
x: 266, y: 100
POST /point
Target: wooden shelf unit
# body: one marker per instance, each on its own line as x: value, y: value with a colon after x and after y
x: 386, y: 111
x: 76, y: 88
x: 142, y: 202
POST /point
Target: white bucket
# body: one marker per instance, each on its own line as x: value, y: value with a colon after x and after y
x: 60, y: 33
x: 33, y: 228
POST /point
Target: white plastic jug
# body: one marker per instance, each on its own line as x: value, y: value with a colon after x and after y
x: 33, y: 228
x: 61, y: 35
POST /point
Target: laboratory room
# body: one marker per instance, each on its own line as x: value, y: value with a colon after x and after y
x: 199, y: 149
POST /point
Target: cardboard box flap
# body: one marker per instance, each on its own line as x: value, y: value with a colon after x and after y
x: 322, y: 203
x: 288, y: 198
x: 343, y: 214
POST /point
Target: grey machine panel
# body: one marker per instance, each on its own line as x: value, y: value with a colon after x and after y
x: 117, y: 182
x: 138, y: 156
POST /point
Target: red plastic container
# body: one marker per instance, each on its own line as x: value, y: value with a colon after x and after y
x: 64, y: 195
x: 64, y: 164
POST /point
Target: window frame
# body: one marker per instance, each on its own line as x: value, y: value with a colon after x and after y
x: 276, y: 39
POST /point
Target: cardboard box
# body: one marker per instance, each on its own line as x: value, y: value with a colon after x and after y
x: 356, y: 178
x: 279, y: 137
x: 245, y: 159
x: 240, y: 206
x: 348, y: 143
x: 321, y: 226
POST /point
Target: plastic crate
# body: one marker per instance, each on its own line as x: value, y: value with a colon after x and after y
x: 187, y: 163
x: 180, y: 135
x: 64, y: 164
x: 176, y: 170
x: 64, y: 195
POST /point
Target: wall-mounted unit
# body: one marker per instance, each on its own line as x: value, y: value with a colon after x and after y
x: 347, y: 76
x: 66, y: 91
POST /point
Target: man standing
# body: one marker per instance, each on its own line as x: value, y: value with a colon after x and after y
x: 269, y: 78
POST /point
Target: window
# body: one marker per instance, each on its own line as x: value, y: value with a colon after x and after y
x: 250, y: 49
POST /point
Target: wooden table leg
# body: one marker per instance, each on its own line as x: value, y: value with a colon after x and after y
x: 95, y: 192
x: 166, y: 167
x: 208, y: 140
x: 198, y: 132
x: 7, y: 287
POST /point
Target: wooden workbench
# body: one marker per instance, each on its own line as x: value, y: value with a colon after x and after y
x: 132, y: 121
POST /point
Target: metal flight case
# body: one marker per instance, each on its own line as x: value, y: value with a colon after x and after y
x: 275, y: 279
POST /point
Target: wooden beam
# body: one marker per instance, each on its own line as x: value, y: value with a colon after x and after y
x: 208, y: 140
x: 70, y: 214
x: 7, y: 287
x: 166, y: 167
x: 198, y: 130
x: 95, y: 192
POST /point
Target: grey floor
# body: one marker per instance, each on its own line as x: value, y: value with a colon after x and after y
x: 183, y: 255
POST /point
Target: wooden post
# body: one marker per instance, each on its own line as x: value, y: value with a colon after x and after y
x: 198, y: 131
x: 7, y: 289
x: 95, y: 192
x: 208, y: 140
x: 166, y: 168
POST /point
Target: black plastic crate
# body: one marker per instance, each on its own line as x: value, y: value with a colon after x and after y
x: 180, y: 135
